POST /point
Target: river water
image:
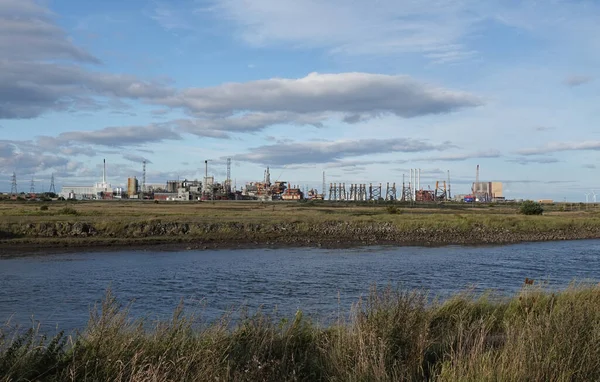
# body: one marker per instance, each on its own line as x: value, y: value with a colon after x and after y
x: 60, y: 289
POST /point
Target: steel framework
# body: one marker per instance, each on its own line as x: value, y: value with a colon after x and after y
x: 52, y: 188
x: 13, y: 187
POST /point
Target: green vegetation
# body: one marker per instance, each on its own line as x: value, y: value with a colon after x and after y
x: 529, y: 207
x: 390, y: 336
x: 68, y: 211
x: 392, y: 210
x: 119, y: 223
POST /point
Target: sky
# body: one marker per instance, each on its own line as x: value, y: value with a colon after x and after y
x: 364, y: 90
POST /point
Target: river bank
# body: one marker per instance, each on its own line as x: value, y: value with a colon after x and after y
x: 208, y: 226
x: 390, y: 335
x: 331, y: 234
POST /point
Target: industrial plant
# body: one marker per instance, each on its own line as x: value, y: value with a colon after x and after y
x: 266, y: 189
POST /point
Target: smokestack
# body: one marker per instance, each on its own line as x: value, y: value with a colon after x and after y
x: 104, y: 173
x: 449, y: 196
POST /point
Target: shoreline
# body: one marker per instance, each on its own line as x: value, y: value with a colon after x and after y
x: 11, y: 249
x: 395, y: 335
x: 97, y: 226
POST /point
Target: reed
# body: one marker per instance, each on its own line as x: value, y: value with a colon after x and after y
x: 392, y: 335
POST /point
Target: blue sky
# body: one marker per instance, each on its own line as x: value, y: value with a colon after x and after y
x: 363, y: 90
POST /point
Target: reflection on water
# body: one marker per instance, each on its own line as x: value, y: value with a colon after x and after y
x: 61, y: 289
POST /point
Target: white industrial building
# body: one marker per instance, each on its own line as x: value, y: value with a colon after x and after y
x: 102, y: 190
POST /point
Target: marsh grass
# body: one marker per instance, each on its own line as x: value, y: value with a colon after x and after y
x: 392, y: 335
x: 115, y: 219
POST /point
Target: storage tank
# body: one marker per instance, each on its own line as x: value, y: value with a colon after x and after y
x: 132, y: 186
x: 172, y: 186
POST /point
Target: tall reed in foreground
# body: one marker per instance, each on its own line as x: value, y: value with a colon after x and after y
x: 392, y: 335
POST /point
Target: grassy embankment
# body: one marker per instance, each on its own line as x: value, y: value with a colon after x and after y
x: 244, y: 223
x: 391, y: 336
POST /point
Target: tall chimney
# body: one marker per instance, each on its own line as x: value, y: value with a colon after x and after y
x: 410, y: 183
x: 104, y: 173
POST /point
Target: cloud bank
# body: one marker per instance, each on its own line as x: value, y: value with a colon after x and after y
x: 331, y: 151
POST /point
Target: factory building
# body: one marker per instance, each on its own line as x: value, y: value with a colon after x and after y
x: 292, y: 193
x: 487, y: 191
x: 102, y: 190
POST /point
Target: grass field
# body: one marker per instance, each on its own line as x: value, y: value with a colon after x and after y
x: 11, y: 211
x: 392, y: 335
x: 221, y: 223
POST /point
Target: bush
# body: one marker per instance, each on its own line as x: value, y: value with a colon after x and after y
x: 393, y: 210
x: 68, y: 211
x: 529, y: 207
x: 44, y: 208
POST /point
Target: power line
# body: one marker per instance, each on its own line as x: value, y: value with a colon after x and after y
x: 144, y: 176
x: 13, y: 188
x: 52, y: 188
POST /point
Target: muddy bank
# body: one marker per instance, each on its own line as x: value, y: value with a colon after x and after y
x: 64, y: 235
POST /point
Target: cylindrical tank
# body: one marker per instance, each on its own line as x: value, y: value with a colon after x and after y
x: 132, y: 186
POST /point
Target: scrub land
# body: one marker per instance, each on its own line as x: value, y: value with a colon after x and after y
x: 31, y: 226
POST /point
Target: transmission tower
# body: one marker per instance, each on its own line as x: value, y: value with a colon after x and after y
x: 144, y: 175
x: 52, y: 189
x: 32, y: 186
x: 228, y: 181
x: 13, y: 188
x: 323, y: 189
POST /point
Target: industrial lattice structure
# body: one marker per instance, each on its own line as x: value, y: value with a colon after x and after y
x: 362, y: 192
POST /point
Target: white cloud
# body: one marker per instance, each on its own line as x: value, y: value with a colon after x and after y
x: 28, y: 32
x: 561, y: 146
x: 355, y: 27
x: 331, y: 151
x: 540, y: 160
x: 40, y: 68
x: 440, y: 30
x: 136, y: 158
x: 119, y: 136
x: 461, y: 156
x: 246, y: 123
x: 348, y: 93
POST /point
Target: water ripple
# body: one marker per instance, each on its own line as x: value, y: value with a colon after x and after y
x: 61, y: 289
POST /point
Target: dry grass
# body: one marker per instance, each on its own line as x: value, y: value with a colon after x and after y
x: 256, y: 212
x: 391, y: 336
x: 134, y: 223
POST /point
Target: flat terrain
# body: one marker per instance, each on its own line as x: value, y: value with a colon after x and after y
x: 233, y: 223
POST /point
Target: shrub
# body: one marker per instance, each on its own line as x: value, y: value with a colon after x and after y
x: 68, y: 211
x: 529, y: 207
x: 44, y: 208
x: 393, y: 210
